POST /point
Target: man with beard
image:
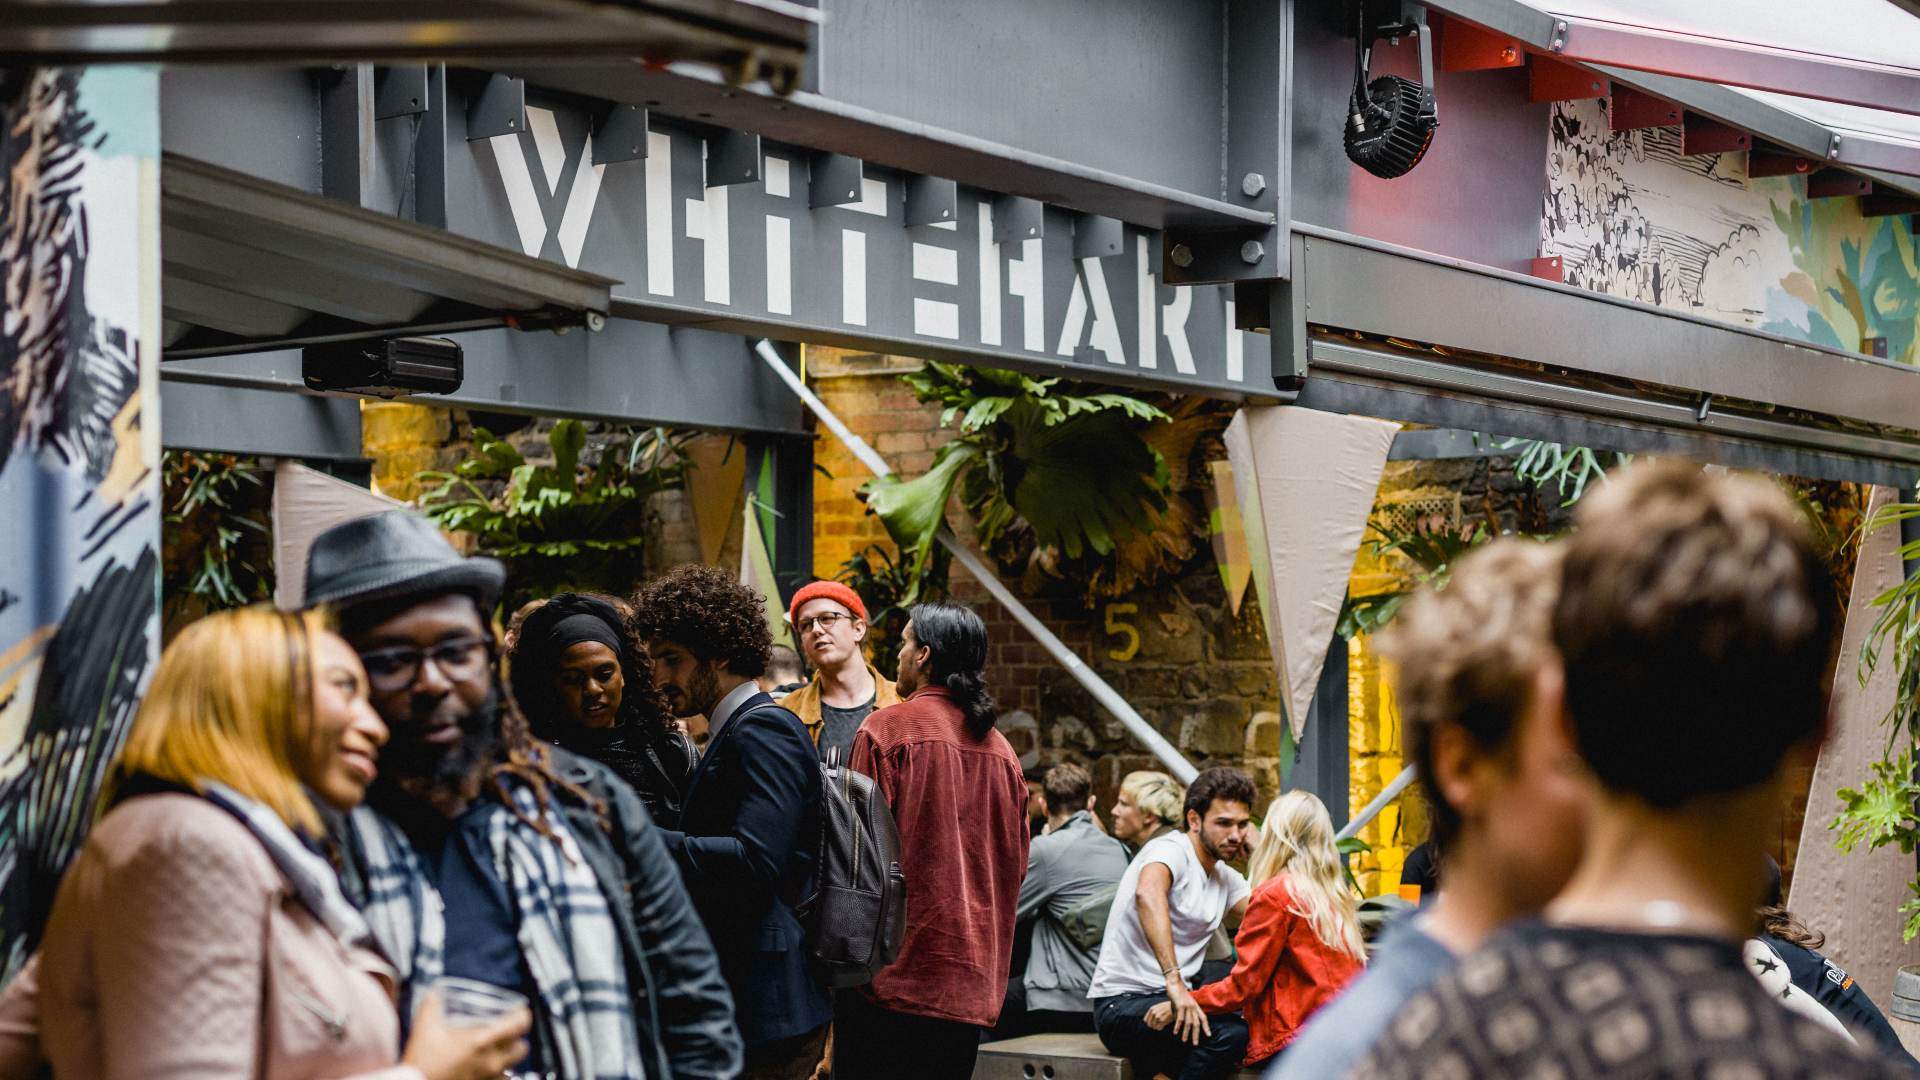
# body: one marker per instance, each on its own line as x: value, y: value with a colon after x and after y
x: 1177, y: 892
x: 485, y: 855
x: 750, y: 817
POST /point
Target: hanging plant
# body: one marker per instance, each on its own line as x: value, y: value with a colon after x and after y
x: 217, y: 549
x: 565, y: 525
x: 1037, y: 464
x: 1881, y: 811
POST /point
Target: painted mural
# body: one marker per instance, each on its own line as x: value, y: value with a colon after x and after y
x: 79, y: 454
x: 1632, y: 216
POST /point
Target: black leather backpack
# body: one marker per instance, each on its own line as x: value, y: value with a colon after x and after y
x: 857, y: 913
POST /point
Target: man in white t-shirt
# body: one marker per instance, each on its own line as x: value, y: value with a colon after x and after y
x: 1176, y: 893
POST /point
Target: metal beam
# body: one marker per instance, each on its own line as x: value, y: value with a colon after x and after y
x: 997, y: 283
x: 1156, y: 744
x: 237, y: 274
x: 878, y: 138
x: 1381, y: 381
x: 747, y: 39
x: 274, y: 423
x: 631, y: 373
x: 1389, y: 291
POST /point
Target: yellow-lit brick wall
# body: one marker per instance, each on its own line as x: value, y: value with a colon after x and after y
x: 864, y: 390
x: 405, y: 439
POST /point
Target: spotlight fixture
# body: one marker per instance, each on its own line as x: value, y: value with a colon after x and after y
x: 1390, y: 120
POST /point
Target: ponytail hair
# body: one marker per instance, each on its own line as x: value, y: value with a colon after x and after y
x: 956, y: 642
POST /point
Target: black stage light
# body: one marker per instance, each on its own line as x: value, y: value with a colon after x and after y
x: 1390, y: 120
x: 388, y: 367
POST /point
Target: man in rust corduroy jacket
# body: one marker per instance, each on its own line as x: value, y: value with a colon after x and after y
x: 959, y: 800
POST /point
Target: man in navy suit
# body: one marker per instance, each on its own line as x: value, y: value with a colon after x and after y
x: 745, y: 841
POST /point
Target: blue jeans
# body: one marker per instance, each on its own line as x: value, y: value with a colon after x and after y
x: 1122, y: 1024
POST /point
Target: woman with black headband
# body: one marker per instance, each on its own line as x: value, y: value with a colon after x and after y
x: 587, y: 685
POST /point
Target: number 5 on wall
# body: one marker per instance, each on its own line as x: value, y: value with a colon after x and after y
x: 1118, y: 628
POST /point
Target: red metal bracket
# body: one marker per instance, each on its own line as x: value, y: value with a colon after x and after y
x: 1700, y: 135
x: 1631, y: 110
x: 1888, y: 204
x: 1554, y: 80
x: 1466, y: 47
x: 1837, y: 184
x: 1773, y: 163
x: 1549, y: 268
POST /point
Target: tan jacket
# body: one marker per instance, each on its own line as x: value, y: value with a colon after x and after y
x: 805, y: 702
x: 176, y: 949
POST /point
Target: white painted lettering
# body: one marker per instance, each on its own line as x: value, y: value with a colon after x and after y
x: 1236, y: 347
x: 1147, y: 304
x: 853, y: 277
x: 1174, y: 318
x: 989, y: 255
x: 707, y: 222
x: 779, y: 265
x: 579, y: 208
x: 659, y: 214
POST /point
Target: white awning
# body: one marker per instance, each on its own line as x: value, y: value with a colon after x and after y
x: 1838, y: 83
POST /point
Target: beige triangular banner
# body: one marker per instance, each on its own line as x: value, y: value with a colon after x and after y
x: 1855, y: 899
x: 307, y: 503
x: 715, y: 486
x: 1228, y: 533
x: 1305, y: 481
x: 756, y: 572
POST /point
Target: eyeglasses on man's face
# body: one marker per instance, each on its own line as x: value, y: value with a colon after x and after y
x: 396, y: 667
x: 825, y: 622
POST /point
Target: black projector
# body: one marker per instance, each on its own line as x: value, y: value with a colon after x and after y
x: 389, y: 368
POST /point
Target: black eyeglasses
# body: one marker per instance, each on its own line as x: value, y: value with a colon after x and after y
x: 826, y: 621
x: 397, y: 667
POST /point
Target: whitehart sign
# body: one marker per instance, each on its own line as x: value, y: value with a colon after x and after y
x: 757, y: 257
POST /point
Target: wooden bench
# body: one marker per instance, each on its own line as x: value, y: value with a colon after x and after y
x: 1057, y: 1057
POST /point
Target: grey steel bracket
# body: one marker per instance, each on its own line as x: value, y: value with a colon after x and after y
x: 1279, y: 309
x: 836, y: 180
x: 621, y: 135
x: 1016, y: 219
x: 1259, y: 156
x: 1097, y: 237
x: 733, y: 157
x: 399, y: 91
x: 499, y: 109
x: 931, y: 200
x: 430, y: 154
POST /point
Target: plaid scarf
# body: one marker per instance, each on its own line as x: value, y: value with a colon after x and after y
x: 401, y: 906
x: 307, y: 874
x: 570, y: 944
x: 566, y: 933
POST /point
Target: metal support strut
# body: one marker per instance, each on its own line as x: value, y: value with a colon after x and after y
x: 1180, y: 767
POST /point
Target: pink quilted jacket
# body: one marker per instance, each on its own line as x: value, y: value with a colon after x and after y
x: 177, y: 950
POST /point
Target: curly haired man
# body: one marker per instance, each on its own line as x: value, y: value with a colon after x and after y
x: 741, y: 841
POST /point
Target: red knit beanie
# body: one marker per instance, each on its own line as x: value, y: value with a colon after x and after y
x: 826, y: 590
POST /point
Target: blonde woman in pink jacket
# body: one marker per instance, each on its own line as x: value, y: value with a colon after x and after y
x: 199, y: 933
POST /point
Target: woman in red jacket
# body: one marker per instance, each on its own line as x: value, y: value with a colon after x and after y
x: 1300, y: 942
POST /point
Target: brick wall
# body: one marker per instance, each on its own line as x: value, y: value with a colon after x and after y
x: 864, y: 390
x: 1201, y: 676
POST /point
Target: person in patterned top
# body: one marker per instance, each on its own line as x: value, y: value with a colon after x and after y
x: 1696, y: 623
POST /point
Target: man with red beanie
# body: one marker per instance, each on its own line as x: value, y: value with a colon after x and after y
x: 830, y: 623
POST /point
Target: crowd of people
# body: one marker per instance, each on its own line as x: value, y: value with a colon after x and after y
x: 369, y: 839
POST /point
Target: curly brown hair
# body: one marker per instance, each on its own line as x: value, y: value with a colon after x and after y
x: 531, y: 663
x: 708, y: 613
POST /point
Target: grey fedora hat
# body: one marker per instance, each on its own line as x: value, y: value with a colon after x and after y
x: 398, y: 553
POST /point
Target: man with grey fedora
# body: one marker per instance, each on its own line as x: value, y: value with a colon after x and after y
x: 487, y: 856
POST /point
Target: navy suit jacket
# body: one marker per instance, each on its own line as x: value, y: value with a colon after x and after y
x: 746, y: 842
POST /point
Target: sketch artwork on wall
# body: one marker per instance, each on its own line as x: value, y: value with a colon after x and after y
x: 79, y: 491
x: 1631, y: 215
